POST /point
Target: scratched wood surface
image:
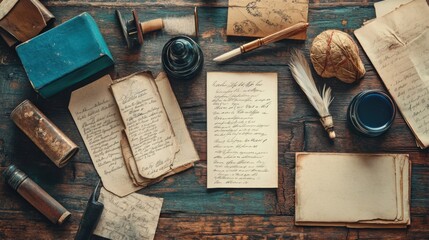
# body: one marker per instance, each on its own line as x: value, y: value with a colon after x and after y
x: 190, y: 211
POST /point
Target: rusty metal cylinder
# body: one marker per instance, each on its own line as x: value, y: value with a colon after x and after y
x: 35, y: 195
x: 48, y: 137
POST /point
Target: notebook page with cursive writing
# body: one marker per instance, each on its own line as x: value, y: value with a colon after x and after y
x: 242, y: 130
x: 397, y: 45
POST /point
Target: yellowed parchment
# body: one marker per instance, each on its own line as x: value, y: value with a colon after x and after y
x: 259, y: 18
x: 132, y: 217
x: 395, y: 44
x: 99, y: 123
x: 187, y: 153
x: 241, y: 130
x: 147, y: 126
x: 384, y: 7
x: 353, y: 190
x: 130, y: 163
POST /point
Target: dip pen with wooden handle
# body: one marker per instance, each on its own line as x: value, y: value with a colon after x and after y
x: 287, y: 32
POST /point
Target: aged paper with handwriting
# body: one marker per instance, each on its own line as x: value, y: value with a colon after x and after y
x: 397, y: 45
x: 186, y: 155
x: 241, y: 130
x: 353, y: 190
x: 94, y: 111
x: 132, y: 217
x: 147, y: 126
x: 98, y: 119
x: 259, y: 18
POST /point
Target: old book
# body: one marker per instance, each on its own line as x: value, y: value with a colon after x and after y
x: 21, y: 20
x: 64, y: 55
x: 397, y: 45
x: 107, y: 133
x: 259, y: 18
x: 352, y: 190
x: 241, y: 130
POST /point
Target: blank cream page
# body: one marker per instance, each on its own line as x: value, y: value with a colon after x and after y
x: 345, y: 187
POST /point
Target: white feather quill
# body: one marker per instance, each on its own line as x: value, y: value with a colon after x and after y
x: 301, y: 72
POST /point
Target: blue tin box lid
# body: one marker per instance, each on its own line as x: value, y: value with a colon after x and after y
x: 58, y: 52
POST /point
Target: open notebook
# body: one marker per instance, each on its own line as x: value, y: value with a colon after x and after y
x: 352, y: 190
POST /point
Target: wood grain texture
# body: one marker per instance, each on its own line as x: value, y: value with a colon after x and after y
x: 191, y: 211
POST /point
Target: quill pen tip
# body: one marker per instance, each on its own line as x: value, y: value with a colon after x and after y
x: 332, y: 135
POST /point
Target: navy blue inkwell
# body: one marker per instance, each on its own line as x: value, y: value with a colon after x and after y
x: 182, y: 58
x: 371, y: 112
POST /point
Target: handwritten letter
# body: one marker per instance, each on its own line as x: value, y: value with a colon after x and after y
x: 187, y: 154
x: 241, y: 130
x: 95, y: 114
x: 398, y: 46
x: 132, y: 217
x: 147, y: 126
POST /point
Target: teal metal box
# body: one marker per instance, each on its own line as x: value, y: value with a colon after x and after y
x: 64, y: 55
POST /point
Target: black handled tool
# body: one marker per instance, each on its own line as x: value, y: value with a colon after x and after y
x: 90, y: 216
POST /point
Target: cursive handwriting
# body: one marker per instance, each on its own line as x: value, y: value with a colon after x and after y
x: 242, y: 119
x: 97, y: 117
x: 147, y: 126
x: 400, y: 53
x: 132, y: 217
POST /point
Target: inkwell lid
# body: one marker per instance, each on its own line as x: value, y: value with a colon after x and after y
x: 182, y: 58
x: 14, y: 176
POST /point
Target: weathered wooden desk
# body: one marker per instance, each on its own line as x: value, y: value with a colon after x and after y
x: 190, y: 210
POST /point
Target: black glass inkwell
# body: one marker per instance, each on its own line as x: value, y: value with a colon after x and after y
x: 371, y: 113
x: 182, y: 58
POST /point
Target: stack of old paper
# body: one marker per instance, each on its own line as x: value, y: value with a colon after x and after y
x: 133, y: 129
x: 397, y: 43
x: 352, y: 190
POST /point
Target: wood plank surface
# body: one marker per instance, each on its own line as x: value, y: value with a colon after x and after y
x: 190, y: 211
